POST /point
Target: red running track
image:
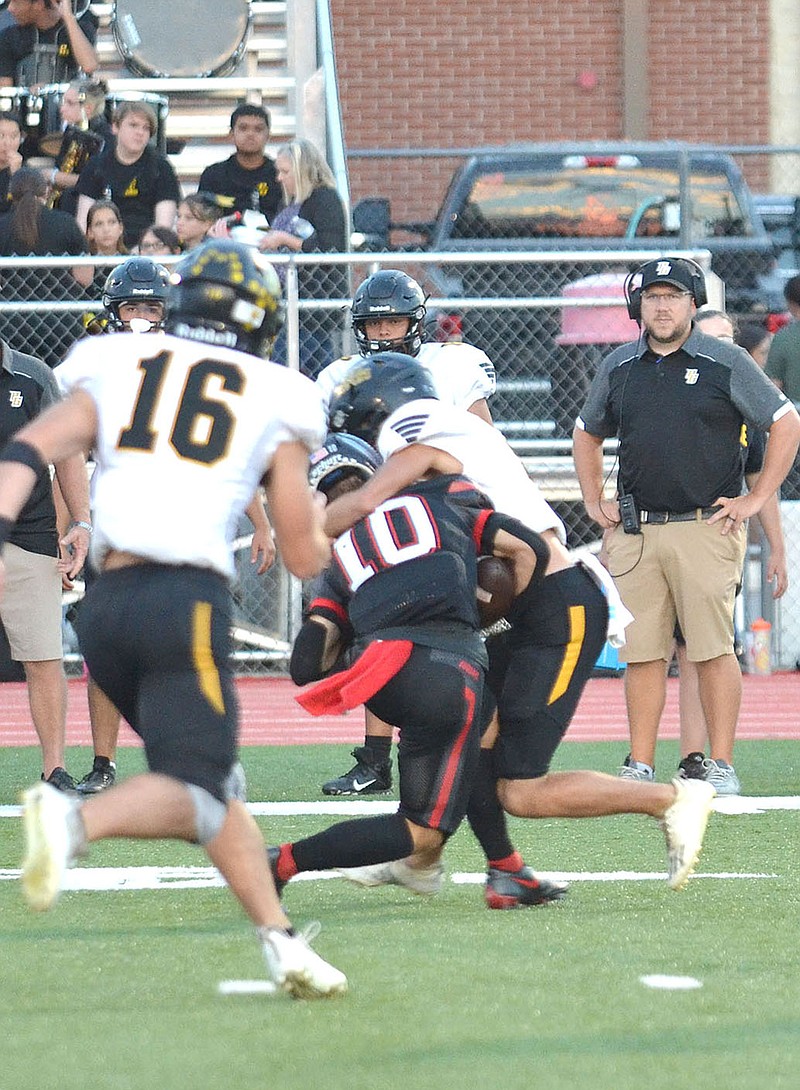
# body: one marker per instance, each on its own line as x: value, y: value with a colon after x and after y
x: 270, y: 716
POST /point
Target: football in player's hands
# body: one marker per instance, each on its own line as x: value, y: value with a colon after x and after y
x: 495, y: 591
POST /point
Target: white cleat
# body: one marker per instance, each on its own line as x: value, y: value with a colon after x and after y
x: 424, y: 881
x: 684, y: 825
x: 49, y: 851
x: 296, y: 969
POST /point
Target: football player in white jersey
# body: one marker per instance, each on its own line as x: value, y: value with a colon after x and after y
x: 185, y: 425
x: 134, y: 300
x: 558, y: 627
x: 388, y: 315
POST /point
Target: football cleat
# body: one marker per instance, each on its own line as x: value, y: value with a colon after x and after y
x: 693, y: 767
x: 519, y: 888
x: 424, y: 881
x: 49, y: 817
x: 295, y: 968
x: 364, y: 779
x: 61, y: 780
x: 684, y: 825
x: 103, y: 775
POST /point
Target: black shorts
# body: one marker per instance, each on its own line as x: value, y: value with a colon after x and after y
x: 156, y: 639
x: 435, y: 700
x: 537, y: 673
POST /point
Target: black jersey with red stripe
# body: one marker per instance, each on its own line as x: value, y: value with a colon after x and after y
x: 408, y: 570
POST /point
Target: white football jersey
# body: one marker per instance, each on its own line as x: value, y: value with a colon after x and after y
x: 185, y: 434
x: 461, y: 373
x: 487, y: 458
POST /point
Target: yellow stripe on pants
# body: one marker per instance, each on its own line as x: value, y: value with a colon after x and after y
x: 203, y: 659
x: 577, y: 632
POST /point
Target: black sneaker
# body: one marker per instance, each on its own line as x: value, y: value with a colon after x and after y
x: 693, y: 767
x: 515, y: 889
x: 364, y: 779
x: 103, y: 775
x: 61, y: 780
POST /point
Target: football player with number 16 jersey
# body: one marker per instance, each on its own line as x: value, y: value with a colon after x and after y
x: 185, y: 425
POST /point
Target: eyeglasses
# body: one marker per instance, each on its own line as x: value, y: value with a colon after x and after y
x: 671, y: 298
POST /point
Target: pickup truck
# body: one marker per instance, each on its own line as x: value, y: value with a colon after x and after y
x: 570, y: 197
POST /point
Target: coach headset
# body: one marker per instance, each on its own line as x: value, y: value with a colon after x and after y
x: 633, y: 291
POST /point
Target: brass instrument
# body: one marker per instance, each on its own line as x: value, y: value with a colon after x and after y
x: 77, y: 147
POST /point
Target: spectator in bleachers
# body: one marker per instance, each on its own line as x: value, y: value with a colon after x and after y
x: 137, y: 178
x: 68, y: 43
x: 31, y: 228
x: 10, y: 157
x: 196, y: 216
x: 157, y: 240
x: 313, y: 221
x: 84, y: 132
x: 104, y: 230
x: 247, y: 179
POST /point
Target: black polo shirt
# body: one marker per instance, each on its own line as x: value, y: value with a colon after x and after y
x: 27, y: 388
x: 680, y: 419
x: 243, y: 188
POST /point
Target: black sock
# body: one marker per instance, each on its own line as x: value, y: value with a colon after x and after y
x: 356, y: 843
x: 379, y: 749
x: 485, y: 815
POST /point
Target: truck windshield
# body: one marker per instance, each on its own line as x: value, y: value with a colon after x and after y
x: 598, y: 201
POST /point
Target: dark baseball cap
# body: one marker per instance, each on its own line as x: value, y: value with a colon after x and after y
x: 665, y: 270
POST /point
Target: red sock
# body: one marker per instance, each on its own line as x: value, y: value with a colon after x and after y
x: 286, y: 868
x: 510, y: 863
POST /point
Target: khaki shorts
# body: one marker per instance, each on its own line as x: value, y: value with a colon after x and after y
x: 31, y: 606
x: 684, y: 571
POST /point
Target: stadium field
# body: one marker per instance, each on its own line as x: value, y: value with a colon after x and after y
x: 624, y: 984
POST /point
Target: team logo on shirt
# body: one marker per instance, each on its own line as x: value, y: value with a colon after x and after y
x: 132, y: 189
x: 690, y: 376
x: 15, y: 399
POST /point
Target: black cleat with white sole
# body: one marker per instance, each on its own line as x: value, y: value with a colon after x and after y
x: 365, y: 778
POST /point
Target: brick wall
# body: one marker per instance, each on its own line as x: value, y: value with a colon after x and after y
x: 457, y: 73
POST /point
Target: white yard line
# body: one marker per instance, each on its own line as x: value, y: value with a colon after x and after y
x: 734, y: 804
x: 117, y: 879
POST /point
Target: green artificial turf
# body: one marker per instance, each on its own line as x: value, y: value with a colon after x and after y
x: 119, y: 989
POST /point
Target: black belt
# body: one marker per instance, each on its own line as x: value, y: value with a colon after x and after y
x: 660, y: 518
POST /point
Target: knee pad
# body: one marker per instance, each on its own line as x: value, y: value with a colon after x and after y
x: 209, y: 813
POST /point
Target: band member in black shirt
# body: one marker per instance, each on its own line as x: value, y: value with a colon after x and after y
x: 247, y: 179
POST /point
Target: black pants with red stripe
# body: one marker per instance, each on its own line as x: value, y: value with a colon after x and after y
x: 435, y: 700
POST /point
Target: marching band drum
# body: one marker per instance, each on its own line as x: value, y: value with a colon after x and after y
x: 187, y: 38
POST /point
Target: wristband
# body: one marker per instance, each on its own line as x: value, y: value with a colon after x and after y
x: 53, y: 176
x: 87, y: 526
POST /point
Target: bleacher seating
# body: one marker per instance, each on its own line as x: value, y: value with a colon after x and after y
x: 200, y: 106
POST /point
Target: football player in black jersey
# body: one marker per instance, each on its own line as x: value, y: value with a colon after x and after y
x: 401, y: 590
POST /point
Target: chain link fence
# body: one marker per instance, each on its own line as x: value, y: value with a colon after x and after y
x: 545, y: 349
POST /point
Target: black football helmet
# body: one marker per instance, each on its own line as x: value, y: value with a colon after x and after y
x: 371, y: 391
x: 224, y: 293
x: 394, y: 294
x: 134, y: 280
x: 342, y: 456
